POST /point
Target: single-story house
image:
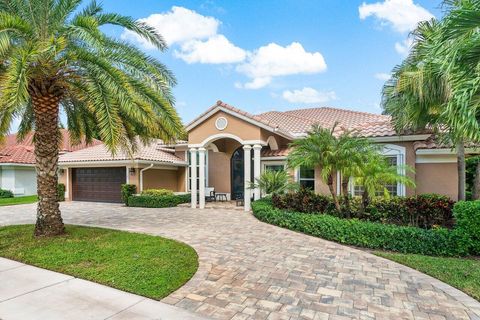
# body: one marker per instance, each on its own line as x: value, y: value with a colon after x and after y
x: 17, y: 162
x: 227, y: 148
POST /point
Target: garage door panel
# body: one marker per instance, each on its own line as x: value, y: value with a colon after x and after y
x: 98, y: 184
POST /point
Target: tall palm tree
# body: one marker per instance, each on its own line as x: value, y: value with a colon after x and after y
x: 331, y: 150
x: 421, y: 88
x: 54, y: 56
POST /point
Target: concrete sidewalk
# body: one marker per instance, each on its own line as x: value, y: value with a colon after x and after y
x: 27, y: 293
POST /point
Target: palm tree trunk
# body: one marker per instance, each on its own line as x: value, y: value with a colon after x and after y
x: 46, y: 140
x: 346, y: 196
x: 461, y: 170
x: 476, y: 183
x: 365, y: 200
x: 334, y: 194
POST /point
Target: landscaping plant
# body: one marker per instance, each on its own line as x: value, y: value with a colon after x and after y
x: 54, y: 55
x: 128, y: 190
x: 274, y: 182
x: 157, y: 192
x: 6, y: 193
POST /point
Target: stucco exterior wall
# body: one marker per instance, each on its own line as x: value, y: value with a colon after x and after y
x: 320, y: 186
x: 21, y: 180
x: 441, y: 178
x: 160, y: 179
x: 235, y: 126
x: 219, y: 171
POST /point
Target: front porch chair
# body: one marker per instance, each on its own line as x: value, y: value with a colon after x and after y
x: 210, y: 194
x: 239, y: 199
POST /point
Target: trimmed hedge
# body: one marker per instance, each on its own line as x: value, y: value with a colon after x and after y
x: 128, y: 190
x: 61, y: 192
x: 425, y: 211
x: 157, y: 192
x: 149, y: 201
x: 6, y: 193
x: 467, y: 216
x: 437, y: 242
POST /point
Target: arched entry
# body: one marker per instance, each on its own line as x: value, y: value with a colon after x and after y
x: 237, y: 169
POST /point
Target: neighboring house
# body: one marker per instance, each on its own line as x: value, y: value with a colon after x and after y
x: 223, y: 137
x: 17, y: 162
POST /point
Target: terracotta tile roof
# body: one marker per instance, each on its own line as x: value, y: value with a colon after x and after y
x: 22, y: 152
x: 375, y: 129
x: 155, y: 152
x: 280, y: 152
x: 299, y: 121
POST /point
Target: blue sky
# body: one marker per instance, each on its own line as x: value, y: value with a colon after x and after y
x: 278, y: 55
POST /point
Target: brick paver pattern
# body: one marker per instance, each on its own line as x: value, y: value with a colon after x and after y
x: 252, y: 270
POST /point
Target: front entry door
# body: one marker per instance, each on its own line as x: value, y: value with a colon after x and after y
x: 237, y: 169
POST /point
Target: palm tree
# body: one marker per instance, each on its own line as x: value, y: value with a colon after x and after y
x: 332, y: 151
x: 420, y: 90
x: 274, y: 182
x: 54, y: 56
x: 376, y: 173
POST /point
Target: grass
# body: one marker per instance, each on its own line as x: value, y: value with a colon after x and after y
x: 142, y: 264
x: 18, y: 200
x: 461, y: 273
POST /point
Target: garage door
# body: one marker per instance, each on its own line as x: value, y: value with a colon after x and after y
x: 97, y: 184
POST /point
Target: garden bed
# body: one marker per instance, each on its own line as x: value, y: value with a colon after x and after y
x: 374, y: 235
x: 146, y: 265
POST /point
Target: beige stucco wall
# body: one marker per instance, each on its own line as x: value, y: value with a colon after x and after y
x: 236, y: 126
x: 160, y: 179
x: 438, y: 178
x: 320, y: 186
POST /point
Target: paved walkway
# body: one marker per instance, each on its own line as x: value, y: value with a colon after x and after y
x: 28, y: 293
x: 252, y: 270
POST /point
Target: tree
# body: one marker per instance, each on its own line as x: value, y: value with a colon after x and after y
x: 333, y: 151
x: 376, y: 173
x: 54, y: 56
x: 420, y: 91
x: 274, y: 182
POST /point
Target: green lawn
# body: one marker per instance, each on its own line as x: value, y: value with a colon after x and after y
x: 461, y: 273
x: 17, y: 200
x: 146, y: 265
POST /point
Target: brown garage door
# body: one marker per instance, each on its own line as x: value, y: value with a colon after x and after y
x: 97, y: 184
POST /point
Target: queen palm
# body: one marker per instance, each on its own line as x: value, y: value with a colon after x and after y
x: 54, y: 56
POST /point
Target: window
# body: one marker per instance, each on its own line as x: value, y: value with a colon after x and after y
x: 306, y: 177
x: 391, y: 188
x: 198, y: 170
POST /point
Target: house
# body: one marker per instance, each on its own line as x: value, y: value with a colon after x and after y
x: 17, y: 162
x: 223, y: 139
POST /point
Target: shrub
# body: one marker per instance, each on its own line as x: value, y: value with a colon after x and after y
x: 6, y: 193
x: 157, y: 192
x: 437, y: 241
x: 149, y: 201
x: 467, y: 216
x: 128, y: 190
x: 61, y: 192
x: 425, y: 211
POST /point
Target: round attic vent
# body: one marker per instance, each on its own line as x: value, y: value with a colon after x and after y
x: 221, y: 123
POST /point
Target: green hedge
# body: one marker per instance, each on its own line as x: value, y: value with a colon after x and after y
x: 157, y: 192
x: 149, y: 201
x: 437, y: 242
x: 6, y: 193
x: 467, y: 216
x: 128, y: 190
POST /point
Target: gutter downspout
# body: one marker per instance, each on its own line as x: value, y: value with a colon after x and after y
x: 141, y: 176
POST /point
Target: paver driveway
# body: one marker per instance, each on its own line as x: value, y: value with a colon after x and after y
x: 251, y: 270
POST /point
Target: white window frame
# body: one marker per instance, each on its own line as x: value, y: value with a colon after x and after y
x: 299, y: 179
x: 198, y: 165
x: 391, y: 150
x: 265, y: 164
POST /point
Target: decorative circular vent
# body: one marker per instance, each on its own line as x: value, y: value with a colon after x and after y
x: 221, y: 123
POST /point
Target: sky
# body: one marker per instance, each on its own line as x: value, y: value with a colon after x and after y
x: 278, y: 55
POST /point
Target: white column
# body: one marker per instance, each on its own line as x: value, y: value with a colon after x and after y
x: 256, y: 169
x: 193, y: 176
x: 247, y: 173
x: 201, y: 181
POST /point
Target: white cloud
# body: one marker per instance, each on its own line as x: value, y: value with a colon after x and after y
x: 274, y: 60
x: 383, y: 76
x: 216, y: 49
x: 404, y: 47
x: 401, y: 15
x: 177, y: 26
x: 308, y: 95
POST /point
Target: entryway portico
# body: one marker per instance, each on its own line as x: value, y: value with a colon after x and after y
x: 216, y: 141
